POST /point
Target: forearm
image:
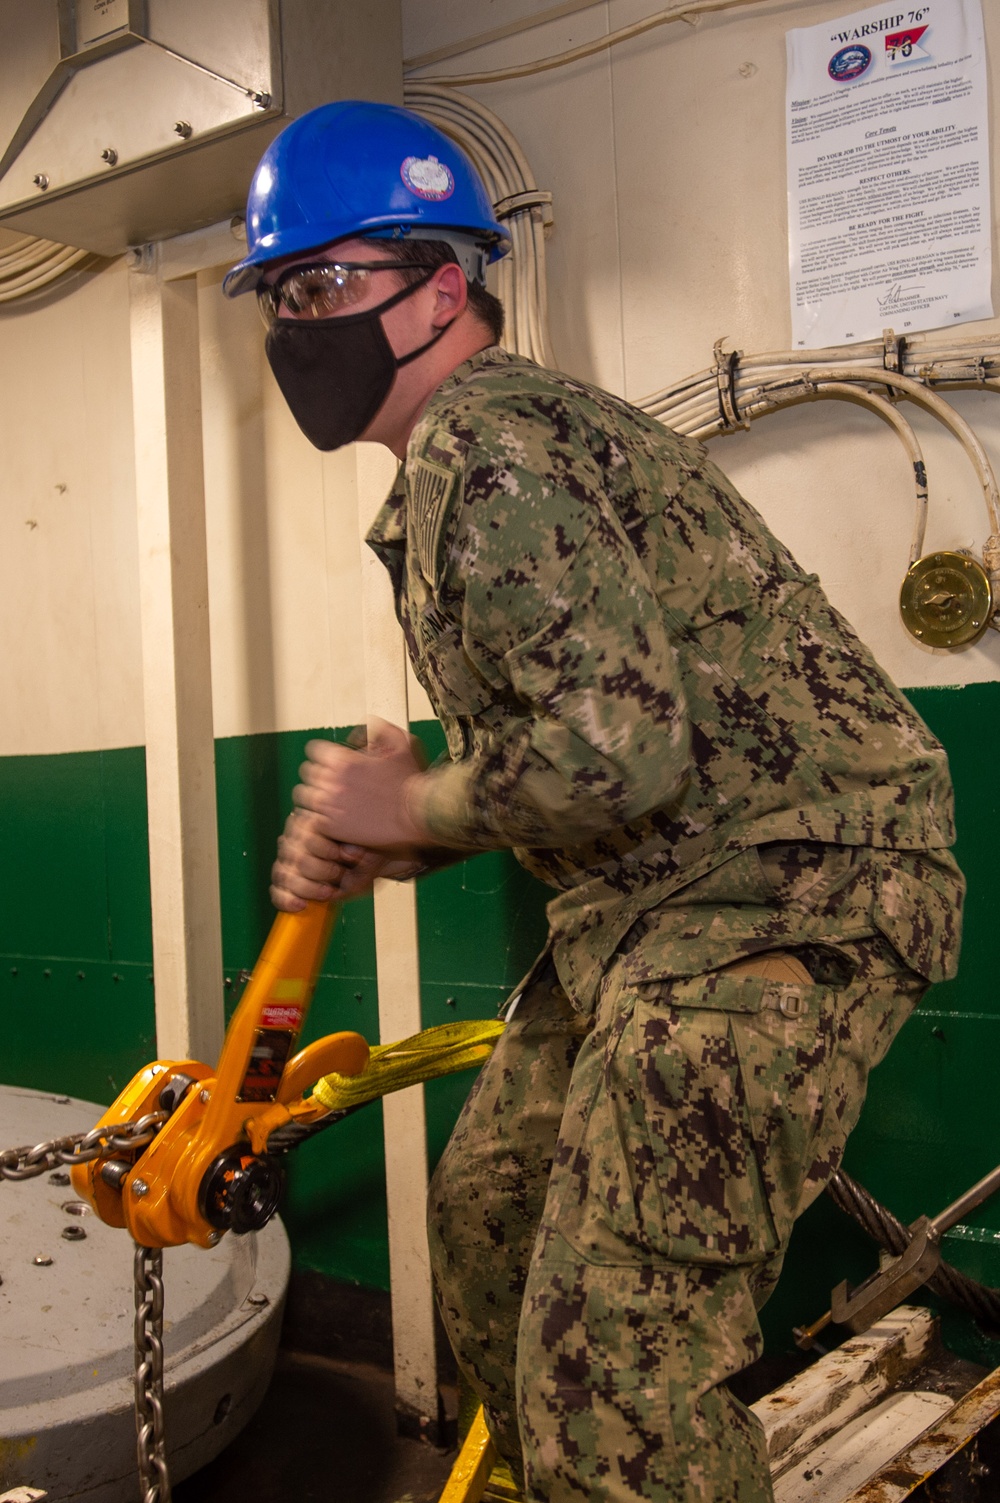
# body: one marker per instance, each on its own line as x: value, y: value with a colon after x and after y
x: 540, y: 785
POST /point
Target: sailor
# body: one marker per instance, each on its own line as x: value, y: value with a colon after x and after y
x: 650, y: 702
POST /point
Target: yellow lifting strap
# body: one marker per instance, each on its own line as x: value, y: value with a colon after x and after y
x: 425, y: 1056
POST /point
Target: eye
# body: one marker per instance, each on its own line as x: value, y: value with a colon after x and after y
x: 319, y: 291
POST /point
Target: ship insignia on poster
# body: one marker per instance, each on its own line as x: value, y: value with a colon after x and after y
x: 849, y: 63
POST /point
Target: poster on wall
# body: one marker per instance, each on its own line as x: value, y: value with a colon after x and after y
x: 888, y: 173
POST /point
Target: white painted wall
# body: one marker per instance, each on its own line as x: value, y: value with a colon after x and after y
x: 70, y: 665
x: 666, y: 160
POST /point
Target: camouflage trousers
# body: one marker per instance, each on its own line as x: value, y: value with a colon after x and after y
x: 615, y: 1202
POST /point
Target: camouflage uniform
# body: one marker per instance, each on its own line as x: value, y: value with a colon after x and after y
x: 647, y: 698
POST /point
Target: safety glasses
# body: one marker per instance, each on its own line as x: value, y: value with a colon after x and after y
x: 320, y: 289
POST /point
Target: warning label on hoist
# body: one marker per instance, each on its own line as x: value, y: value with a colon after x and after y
x: 888, y: 173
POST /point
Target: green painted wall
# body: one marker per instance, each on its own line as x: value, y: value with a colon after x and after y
x: 76, y: 995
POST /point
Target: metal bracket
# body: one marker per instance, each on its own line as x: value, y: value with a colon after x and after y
x: 520, y: 203
x: 726, y: 367
x: 859, y: 1308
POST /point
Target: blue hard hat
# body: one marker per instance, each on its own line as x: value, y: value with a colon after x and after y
x: 360, y: 168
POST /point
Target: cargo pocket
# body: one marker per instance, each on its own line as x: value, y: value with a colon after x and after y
x: 704, y: 1125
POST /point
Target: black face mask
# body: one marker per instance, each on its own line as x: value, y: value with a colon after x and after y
x: 335, y: 373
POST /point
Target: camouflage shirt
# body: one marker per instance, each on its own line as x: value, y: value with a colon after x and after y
x: 637, y: 682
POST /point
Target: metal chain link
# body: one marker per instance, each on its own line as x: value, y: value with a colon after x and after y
x: 154, y: 1477
x: 80, y: 1147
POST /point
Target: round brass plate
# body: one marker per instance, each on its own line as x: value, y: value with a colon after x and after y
x: 946, y: 600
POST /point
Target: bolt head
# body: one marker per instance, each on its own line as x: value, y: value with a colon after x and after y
x: 258, y: 1300
x: 204, y: 1097
x: 109, y: 155
x: 214, y: 1238
x: 183, y: 129
x: 140, y: 1187
x: 41, y: 180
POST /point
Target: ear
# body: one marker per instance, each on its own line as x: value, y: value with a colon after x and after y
x: 451, y: 294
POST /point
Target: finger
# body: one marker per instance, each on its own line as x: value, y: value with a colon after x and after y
x: 285, y: 902
x: 351, y: 854
x: 312, y: 868
x: 323, y: 803
x: 308, y: 834
x: 324, y: 754
x: 291, y: 880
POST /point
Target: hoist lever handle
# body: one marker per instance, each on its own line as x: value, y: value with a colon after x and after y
x: 200, y: 1176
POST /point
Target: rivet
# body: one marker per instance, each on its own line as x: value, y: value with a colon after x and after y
x: 13, y: 970
x: 46, y: 973
x: 213, y: 1239
x: 80, y: 976
x: 42, y: 1260
x: 258, y: 1300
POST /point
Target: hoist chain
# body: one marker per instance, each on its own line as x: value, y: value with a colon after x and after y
x: 80, y: 1147
x: 154, y: 1479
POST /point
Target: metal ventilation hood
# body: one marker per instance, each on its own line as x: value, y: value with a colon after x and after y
x: 125, y: 121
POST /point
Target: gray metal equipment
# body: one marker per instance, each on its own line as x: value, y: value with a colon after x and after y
x: 126, y: 121
x: 67, y: 1425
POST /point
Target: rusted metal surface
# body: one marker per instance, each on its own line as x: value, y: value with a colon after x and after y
x: 931, y: 1451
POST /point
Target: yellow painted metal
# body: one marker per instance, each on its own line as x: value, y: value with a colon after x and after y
x: 471, y: 1472
x: 946, y: 599
x: 158, y: 1202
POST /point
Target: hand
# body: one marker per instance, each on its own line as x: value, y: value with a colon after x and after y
x: 313, y: 868
x: 367, y: 797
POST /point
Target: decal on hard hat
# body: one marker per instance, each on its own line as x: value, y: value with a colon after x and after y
x: 427, y: 177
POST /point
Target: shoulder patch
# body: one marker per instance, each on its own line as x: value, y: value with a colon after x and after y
x: 431, y: 481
